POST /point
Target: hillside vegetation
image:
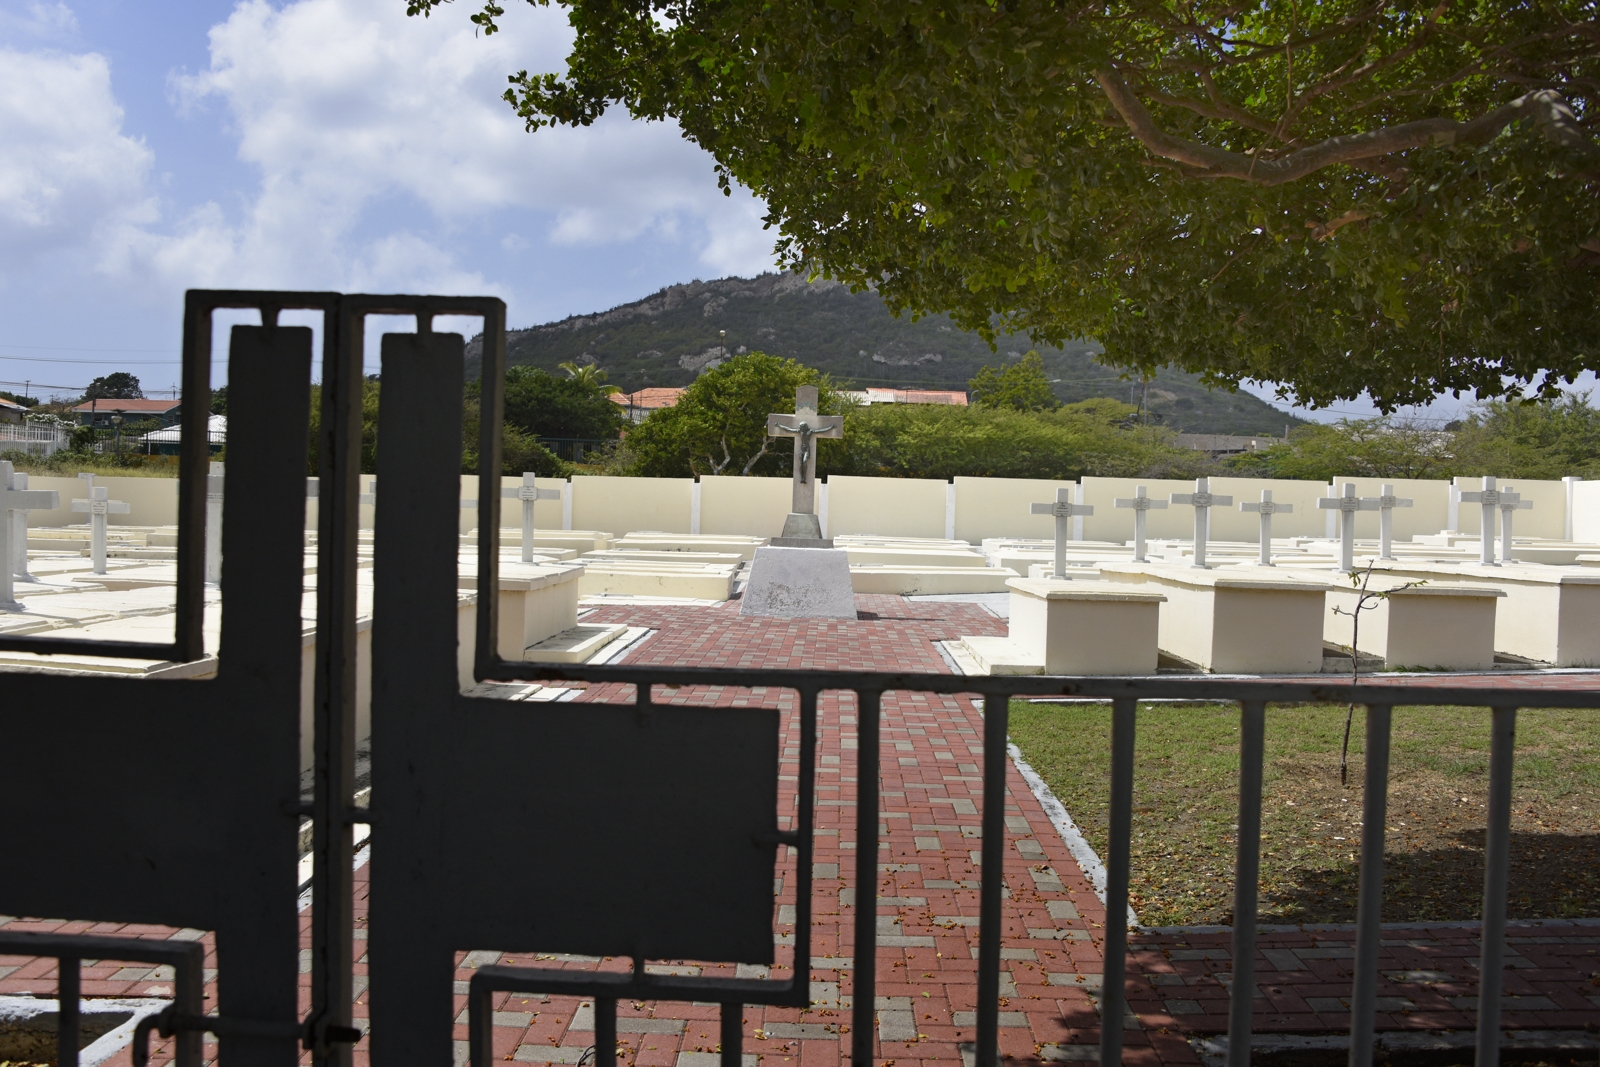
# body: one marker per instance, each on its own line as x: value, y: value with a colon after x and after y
x: 671, y: 337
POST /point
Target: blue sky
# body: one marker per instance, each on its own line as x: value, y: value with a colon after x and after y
x: 318, y: 144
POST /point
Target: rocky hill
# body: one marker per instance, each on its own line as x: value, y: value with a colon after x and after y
x: 673, y: 335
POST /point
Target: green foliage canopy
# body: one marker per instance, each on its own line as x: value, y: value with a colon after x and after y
x: 119, y: 385
x: 1336, y: 195
x: 1509, y: 439
x: 542, y: 405
x: 1023, y: 386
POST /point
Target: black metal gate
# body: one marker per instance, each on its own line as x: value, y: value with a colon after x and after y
x: 207, y: 837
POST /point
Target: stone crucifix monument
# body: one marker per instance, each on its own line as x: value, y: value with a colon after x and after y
x: 1491, y: 500
x: 1387, y: 502
x: 1202, y: 500
x: 1266, y: 507
x: 1347, y: 504
x: 99, y: 506
x: 805, y: 426
x: 1064, y: 511
x: 800, y: 575
x: 1140, y: 503
x: 16, y: 500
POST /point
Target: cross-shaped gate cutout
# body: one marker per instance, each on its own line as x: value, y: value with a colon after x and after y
x: 1140, y: 503
x: 1064, y: 510
x: 16, y: 500
x: 804, y: 425
x: 99, y: 505
x: 1266, y: 507
x: 1202, y: 500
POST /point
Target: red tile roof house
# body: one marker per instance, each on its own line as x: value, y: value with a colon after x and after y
x: 98, y: 413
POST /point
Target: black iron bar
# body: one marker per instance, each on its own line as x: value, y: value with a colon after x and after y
x: 732, y: 1034
x: 334, y: 703
x: 68, y: 991
x: 605, y: 1031
x: 996, y: 711
x: 1496, y: 863
x: 1246, y: 879
x: 480, y: 1024
x: 805, y: 808
x: 1114, y: 972
x: 863, y: 986
x: 1369, y: 901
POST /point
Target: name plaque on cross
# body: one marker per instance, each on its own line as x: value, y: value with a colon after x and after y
x: 805, y: 426
x: 99, y: 505
x: 1064, y: 511
x: 1202, y: 500
x: 1140, y: 503
x: 1266, y: 507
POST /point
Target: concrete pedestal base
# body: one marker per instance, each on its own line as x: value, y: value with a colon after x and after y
x: 802, y: 524
x: 1072, y: 628
x: 799, y: 583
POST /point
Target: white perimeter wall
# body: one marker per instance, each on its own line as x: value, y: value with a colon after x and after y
x: 890, y: 507
x: 999, y: 507
x: 1547, y: 519
x: 905, y: 507
x: 1429, y: 512
x: 152, y: 501
x: 1111, y: 523
x: 755, y: 507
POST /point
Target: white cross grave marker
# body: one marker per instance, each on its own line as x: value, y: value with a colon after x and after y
x: 214, y: 525
x: 1490, y: 499
x: 1202, y: 500
x: 1347, y: 504
x: 1387, y: 502
x: 16, y: 500
x: 804, y: 425
x: 528, y: 492
x: 1140, y: 503
x: 1510, y: 505
x: 99, y: 505
x: 370, y: 497
x: 1266, y: 507
x: 1064, y: 510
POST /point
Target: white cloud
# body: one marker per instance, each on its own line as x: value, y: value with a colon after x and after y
x: 69, y: 176
x: 361, y: 120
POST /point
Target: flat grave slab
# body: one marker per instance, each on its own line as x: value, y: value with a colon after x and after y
x: 1437, y: 626
x: 1072, y: 627
x: 1234, y: 620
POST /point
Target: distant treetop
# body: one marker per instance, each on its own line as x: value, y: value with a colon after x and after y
x: 118, y: 386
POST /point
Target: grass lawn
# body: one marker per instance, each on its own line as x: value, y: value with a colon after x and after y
x: 1186, y: 800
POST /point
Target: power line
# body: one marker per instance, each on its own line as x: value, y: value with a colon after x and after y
x: 60, y: 348
x: 99, y: 362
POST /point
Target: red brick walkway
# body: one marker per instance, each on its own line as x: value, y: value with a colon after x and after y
x: 927, y: 906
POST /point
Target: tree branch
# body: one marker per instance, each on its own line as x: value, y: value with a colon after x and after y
x: 764, y: 443
x: 1546, y: 107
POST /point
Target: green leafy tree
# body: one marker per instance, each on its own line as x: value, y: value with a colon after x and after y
x: 1022, y: 386
x: 1333, y: 195
x: 541, y: 405
x: 118, y: 386
x: 1548, y: 439
x: 719, y: 425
